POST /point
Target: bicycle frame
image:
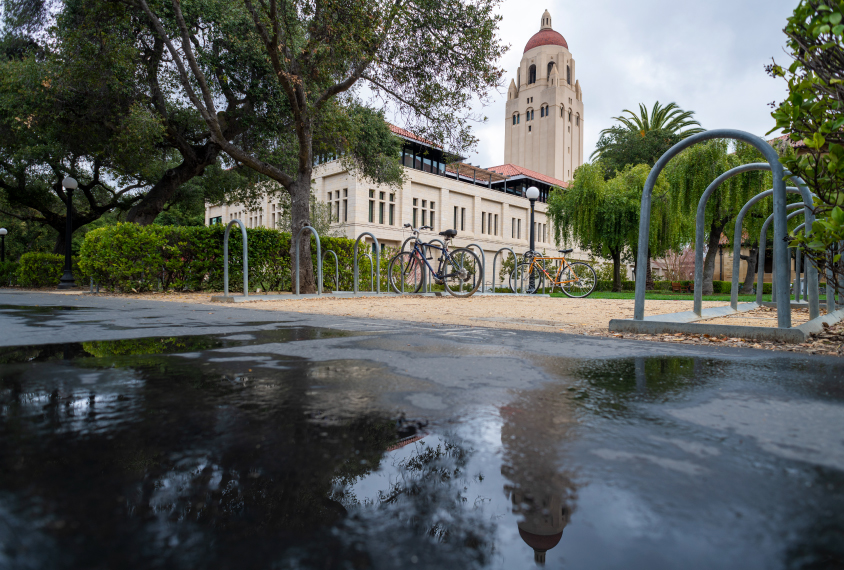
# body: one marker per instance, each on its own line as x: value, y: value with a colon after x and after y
x: 421, y: 252
x: 553, y: 280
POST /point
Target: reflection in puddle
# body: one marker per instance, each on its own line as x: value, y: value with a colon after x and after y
x: 165, y: 453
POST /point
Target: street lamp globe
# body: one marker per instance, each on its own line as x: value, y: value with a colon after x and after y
x: 532, y: 193
x: 70, y: 183
x: 3, y: 231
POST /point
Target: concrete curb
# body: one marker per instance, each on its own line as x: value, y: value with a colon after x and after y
x: 793, y: 335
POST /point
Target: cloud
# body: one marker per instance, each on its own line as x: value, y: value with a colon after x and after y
x: 708, y: 57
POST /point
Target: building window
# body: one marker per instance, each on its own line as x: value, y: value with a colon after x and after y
x: 371, y: 206
x: 532, y: 74
x: 513, y: 228
x: 424, y: 217
x: 515, y: 118
x: 577, y: 120
x: 215, y: 221
x: 568, y: 74
x: 529, y: 129
x: 455, y: 217
x: 415, y: 212
x: 432, y: 215
x: 519, y: 228
x: 550, y: 67
x: 569, y: 115
x: 462, y: 219
x: 483, y: 222
x: 495, y: 226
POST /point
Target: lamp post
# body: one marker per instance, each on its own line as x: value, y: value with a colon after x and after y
x: 67, y: 281
x: 3, y: 233
x: 532, y: 194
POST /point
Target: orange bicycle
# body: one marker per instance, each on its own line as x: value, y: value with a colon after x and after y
x: 576, y: 279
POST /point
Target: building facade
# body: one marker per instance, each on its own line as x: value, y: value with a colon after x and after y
x: 486, y: 206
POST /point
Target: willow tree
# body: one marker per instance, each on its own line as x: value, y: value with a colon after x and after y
x: 285, y: 67
x: 691, y: 172
x: 602, y: 216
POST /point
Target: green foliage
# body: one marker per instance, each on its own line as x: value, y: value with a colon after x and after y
x: 602, y: 216
x: 620, y: 147
x: 813, y: 113
x: 40, y: 269
x: 132, y: 258
x: 669, y: 118
x: 8, y: 273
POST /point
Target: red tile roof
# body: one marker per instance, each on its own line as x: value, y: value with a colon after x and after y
x: 546, y: 38
x: 408, y: 135
x: 514, y: 170
x: 794, y: 144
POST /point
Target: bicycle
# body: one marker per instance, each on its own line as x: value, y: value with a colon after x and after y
x: 576, y: 279
x: 459, y: 271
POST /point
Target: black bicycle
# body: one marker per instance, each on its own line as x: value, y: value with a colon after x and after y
x: 459, y: 271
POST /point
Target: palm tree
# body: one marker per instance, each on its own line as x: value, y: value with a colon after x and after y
x: 670, y: 118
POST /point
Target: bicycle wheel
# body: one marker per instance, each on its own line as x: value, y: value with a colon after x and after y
x: 406, y: 272
x: 462, y: 273
x: 578, y: 279
x: 520, y: 279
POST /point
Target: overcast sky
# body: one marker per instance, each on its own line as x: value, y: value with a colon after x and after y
x: 707, y: 56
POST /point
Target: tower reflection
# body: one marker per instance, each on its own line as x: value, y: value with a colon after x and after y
x: 534, y: 427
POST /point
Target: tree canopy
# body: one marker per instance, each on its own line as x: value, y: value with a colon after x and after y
x: 619, y: 147
x: 290, y: 71
x: 813, y: 114
x: 602, y: 216
x: 669, y: 118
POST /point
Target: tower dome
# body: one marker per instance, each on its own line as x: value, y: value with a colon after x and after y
x: 546, y: 36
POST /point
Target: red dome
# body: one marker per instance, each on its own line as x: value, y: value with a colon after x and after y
x: 540, y: 542
x: 546, y: 38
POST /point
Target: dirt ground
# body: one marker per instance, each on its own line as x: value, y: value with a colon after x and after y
x: 574, y: 316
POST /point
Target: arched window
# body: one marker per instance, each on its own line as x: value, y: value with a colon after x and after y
x: 569, y: 115
x: 568, y: 74
x: 532, y: 74
x: 562, y: 112
x: 550, y: 66
x: 515, y: 118
x: 577, y: 119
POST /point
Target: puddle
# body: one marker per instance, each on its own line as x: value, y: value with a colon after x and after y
x: 182, y: 452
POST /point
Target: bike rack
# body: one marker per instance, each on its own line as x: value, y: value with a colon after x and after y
x: 371, y: 271
x: 319, y: 257
x: 377, y: 265
x: 427, y: 283
x: 495, y: 258
x: 245, y: 259
x: 760, y: 260
x: 336, y: 267
x: 483, y: 265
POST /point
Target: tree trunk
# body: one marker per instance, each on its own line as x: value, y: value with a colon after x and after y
x: 715, y: 232
x: 300, y: 216
x: 616, y: 270
x: 145, y: 212
x: 751, y: 258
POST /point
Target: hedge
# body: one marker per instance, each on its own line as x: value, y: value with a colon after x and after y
x: 129, y: 257
x: 8, y: 273
x: 718, y: 287
x: 45, y: 270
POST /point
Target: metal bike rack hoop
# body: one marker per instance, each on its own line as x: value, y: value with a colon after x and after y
x: 483, y: 265
x: 377, y: 265
x: 319, y: 257
x: 336, y: 268
x: 226, y: 259
x: 495, y: 258
x: 780, y: 253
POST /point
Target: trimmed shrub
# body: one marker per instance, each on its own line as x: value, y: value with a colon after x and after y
x: 40, y: 269
x: 8, y: 273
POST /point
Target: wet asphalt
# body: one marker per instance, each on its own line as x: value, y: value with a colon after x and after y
x: 515, y: 449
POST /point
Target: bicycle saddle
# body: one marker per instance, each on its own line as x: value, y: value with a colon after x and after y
x: 565, y: 250
x: 449, y: 233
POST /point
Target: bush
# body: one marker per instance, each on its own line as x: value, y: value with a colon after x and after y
x: 40, y: 269
x: 8, y: 273
x: 128, y: 257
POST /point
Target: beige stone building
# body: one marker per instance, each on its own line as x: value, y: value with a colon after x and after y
x: 486, y: 206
